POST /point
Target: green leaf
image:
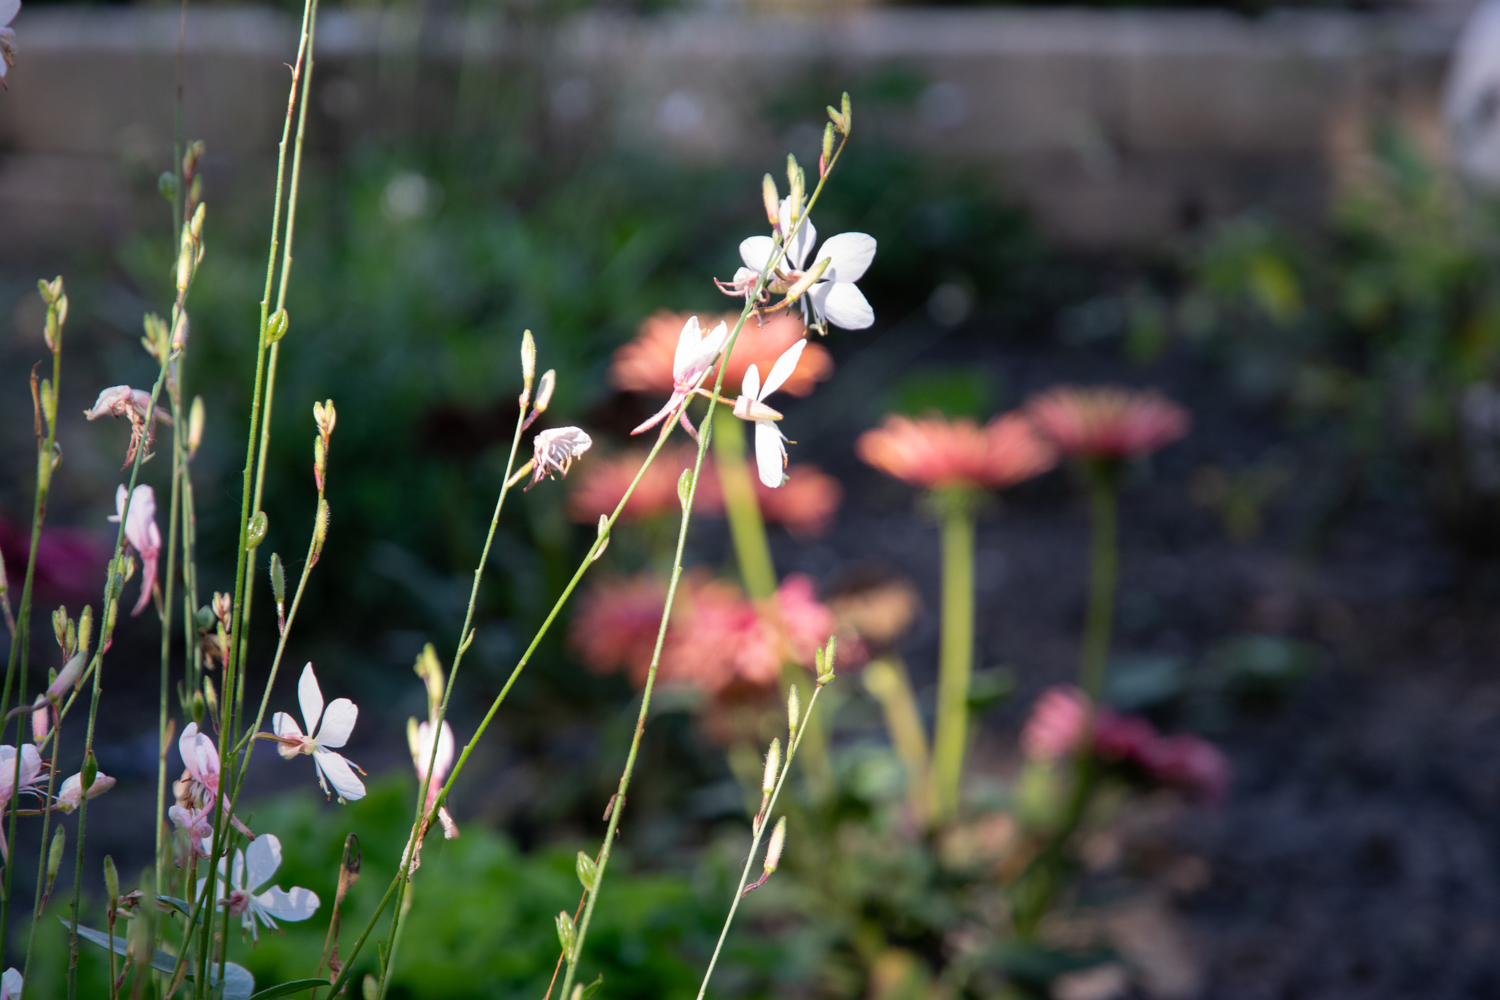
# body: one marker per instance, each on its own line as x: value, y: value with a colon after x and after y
x: 238, y: 983
x: 592, y: 988
x: 287, y: 989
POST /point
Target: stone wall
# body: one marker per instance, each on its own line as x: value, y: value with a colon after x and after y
x: 1115, y: 127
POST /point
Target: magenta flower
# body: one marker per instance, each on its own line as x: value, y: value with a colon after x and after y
x: 142, y: 534
x: 695, y: 356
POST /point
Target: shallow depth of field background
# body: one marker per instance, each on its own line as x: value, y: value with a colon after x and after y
x: 1247, y: 206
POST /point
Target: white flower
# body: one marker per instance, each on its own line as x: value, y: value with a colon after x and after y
x: 8, y: 11
x: 338, y: 722
x: 10, y: 982
x: 142, y: 534
x: 696, y: 354
x: 419, y: 739
x: 31, y: 776
x: 554, y: 450
x: 253, y: 868
x: 770, y: 443
x: 71, y: 793
x: 834, y: 298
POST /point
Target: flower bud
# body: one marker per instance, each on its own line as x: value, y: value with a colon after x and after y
x: 278, y: 579
x: 808, y: 279
x: 55, y: 852
x: 196, y: 417
x: 224, y: 609
x: 823, y: 659
x: 255, y: 531
x: 528, y: 366
x: 588, y: 872
x: 567, y: 934
x: 155, y: 338
x: 836, y: 118
x: 111, y: 883
x: 685, y: 488
x: 544, y: 390
x: 88, y: 773
x: 320, y: 461
x: 180, y: 330
x: 71, y: 672
x: 210, y: 696
x: 85, y: 628
x: 4, y: 583
x: 847, y: 110
x: 320, y: 528
x: 773, y: 849
x: 793, y: 713
x: 603, y: 537
x: 326, y: 417
x: 370, y: 988
x: 62, y: 627
x: 276, y: 326
x: 772, y: 200
x: 794, y: 195
x: 199, y: 706
x: 430, y: 669
x: 196, y: 226
x: 166, y: 185
x: 827, y: 156
x: 773, y: 765
x: 41, y: 719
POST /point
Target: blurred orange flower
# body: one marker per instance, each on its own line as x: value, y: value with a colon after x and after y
x: 936, y: 452
x: 1107, y: 422
x: 806, y: 505
x: 645, y: 364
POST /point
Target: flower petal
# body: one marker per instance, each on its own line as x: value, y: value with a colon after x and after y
x: 770, y: 453
x: 262, y: 858
x: 751, y: 385
x: 298, y: 904
x: 842, y: 304
x: 755, y: 251
x: 8, y: 11
x: 782, y: 369
x: 687, y: 346
x: 338, y: 722
x: 340, y: 775
x: 849, y: 256
x: 310, y: 696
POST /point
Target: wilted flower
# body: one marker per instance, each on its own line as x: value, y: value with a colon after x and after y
x: 337, y: 724
x: 133, y: 404
x: 555, y: 450
x: 833, y: 297
x: 1107, y: 422
x: 695, y: 355
x: 198, y: 824
x: 935, y: 452
x: 8, y: 11
x: 254, y: 867
x: 644, y: 364
x: 71, y: 793
x: 770, y: 443
x: 142, y: 534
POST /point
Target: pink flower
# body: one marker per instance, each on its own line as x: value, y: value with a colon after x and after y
x: 32, y: 771
x: 71, y: 793
x: 1193, y: 765
x: 141, y: 534
x: 419, y: 739
x: 644, y: 364
x: 694, y: 357
x: 935, y: 452
x: 1107, y: 422
x: 198, y: 788
x: 616, y: 625
x: 1058, y: 724
x: 806, y: 503
x: 133, y: 404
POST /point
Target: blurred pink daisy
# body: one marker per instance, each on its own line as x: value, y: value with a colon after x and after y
x: 1107, y: 422
x: 645, y: 364
x: 935, y: 452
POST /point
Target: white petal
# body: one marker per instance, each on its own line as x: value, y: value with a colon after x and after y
x: 141, y: 522
x: 338, y: 722
x: 755, y: 252
x: 310, y: 696
x: 238, y: 879
x: 711, y: 345
x: 850, y: 255
x: 687, y: 345
x: 298, y: 904
x: 751, y: 386
x: 798, y: 249
x: 11, y: 980
x: 340, y: 775
x: 770, y: 453
x: 262, y: 858
x: 446, y: 745
x: 284, y: 725
x: 782, y: 369
x: 120, y: 494
x: 842, y: 304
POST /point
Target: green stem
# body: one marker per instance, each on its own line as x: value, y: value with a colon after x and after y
x: 752, y: 552
x: 956, y: 655
x: 887, y: 681
x: 1103, y: 575
x: 179, y: 464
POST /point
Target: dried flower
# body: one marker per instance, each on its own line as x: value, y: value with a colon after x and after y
x: 142, y: 534
x: 770, y: 443
x: 133, y: 404
x: 8, y: 11
x: 555, y: 450
x: 935, y: 452
x: 833, y: 297
x: 337, y: 724
x: 693, y: 358
x: 644, y: 364
x: 1107, y: 422
x: 254, y: 867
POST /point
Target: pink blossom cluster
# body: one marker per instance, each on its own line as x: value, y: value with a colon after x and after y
x: 1059, y: 727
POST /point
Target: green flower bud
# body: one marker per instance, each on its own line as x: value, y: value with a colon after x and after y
x: 588, y: 872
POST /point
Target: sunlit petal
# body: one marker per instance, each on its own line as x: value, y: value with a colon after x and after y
x: 849, y: 256
x: 782, y: 369
x: 338, y: 722
x: 310, y: 696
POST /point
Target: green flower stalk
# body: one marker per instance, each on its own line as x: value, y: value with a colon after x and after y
x: 955, y: 507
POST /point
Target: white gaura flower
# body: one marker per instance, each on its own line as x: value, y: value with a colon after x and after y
x: 834, y: 298
x: 770, y: 443
x: 554, y: 451
x: 696, y: 354
x: 8, y: 11
x: 419, y: 740
x: 10, y: 982
x: 253, y: 868
x: 32, y: 771
x: 71, y: 793
x: 337, y: 724
x: 142, y: 534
